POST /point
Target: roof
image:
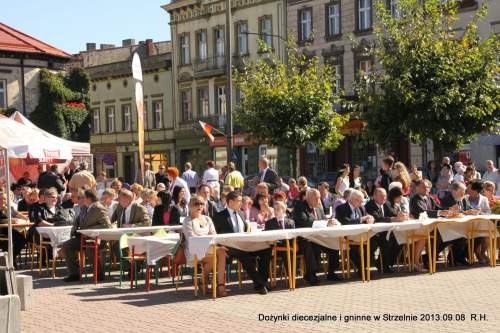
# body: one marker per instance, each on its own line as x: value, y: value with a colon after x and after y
x: 13, y: 40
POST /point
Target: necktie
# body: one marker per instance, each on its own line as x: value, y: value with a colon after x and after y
x: 356, y: 214
x: 205, y: 211
x: 281, y: 224
x: 123, y: 219
x: 315, y: 215
x: 460, y: 206
x: 382, y: 210
x: 236, y: 226
x: 426, y: 203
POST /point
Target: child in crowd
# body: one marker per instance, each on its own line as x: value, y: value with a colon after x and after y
x: 459, y: 177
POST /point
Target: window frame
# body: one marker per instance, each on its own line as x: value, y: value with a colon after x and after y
x: 203, y: 102
x: 96, y: 121
x: 110, y: 124
x: 3, y: 92
x: 328, y: 32
x: 125, y: 116
x: 264, y: 33
x: 218, y: 100
x: 239, y: 37
x: 200, y: 43
x: 184, y: 49
x: 217, y: 39
x: 189, y: 115
x: 358, y: 21
x: 300, y: 38
x: 158, y: 113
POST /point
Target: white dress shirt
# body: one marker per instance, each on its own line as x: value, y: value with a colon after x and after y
x: 211, y: 177
x: 490, y: 176
x: 238, y: 224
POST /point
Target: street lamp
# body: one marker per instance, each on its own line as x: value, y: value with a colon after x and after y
x: 245, y: 32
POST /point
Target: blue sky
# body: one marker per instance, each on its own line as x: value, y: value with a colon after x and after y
x: 69, y: 25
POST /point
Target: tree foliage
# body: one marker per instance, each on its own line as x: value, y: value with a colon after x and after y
x: 64, y: 104
x: 436, y: 81
x: 288, y: 105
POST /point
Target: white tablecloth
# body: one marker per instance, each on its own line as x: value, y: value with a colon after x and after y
x: 156, y: 247
x: 114, y: 234
x: 57, y: 235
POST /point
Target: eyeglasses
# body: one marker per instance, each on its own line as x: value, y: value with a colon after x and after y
x: 198, y: 204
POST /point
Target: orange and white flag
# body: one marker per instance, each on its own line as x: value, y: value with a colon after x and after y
x: 207, y: 129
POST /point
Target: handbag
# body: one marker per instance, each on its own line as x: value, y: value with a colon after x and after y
x: 180, y: 257
x: 64, y: 217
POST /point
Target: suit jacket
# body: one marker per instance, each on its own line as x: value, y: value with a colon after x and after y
x: 51, y: 180
x: 175, y: 215
x: 448, y: 201
x: 96, y: 218
x: 139, y: 215
x: 331, y: 201
x: 303, y: 215
x: 345, y: 215
x: 271, y: 179
x: 273, y: 224
x: 387, y: 178
x: 224, y: 224
x: 149, y: 179
x: 417, y: 206
x: 372, y: 209
x: 211, y: 208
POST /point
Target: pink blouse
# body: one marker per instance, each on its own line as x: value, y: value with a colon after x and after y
x: 166, y: 217
x: 255, y: 216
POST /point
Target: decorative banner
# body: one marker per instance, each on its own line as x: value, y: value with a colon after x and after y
x: 139, y: 99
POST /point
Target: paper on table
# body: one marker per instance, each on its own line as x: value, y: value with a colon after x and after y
x: 320, y: 224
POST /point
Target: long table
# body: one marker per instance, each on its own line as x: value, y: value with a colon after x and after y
x: 114, y: 234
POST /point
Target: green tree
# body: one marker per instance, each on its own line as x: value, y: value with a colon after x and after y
x: 435, y: 81
x: 289, y: 105
x: 64, y: 104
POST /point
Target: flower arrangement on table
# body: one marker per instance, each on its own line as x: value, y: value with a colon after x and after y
x: 423, y: 216
x: 495, y: 205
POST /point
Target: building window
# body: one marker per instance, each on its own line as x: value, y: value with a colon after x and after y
x: 265, y: 32
x: 220, y: 157
x: 365, y: 71
x: 221, y: 100
x: 202, y: 45
x: 305, y: 25
x: 3, y: 94
x: 158, y: 107
x: 186, y: 105
x: 219, y: 42
x: 242, y: 38
x: 203, y: 102
x: 110, y: 112
x: 96, y: 121
x: 126, y: 118
x: 364, y: 14
x: 395, y: 9
x: 184, y: 50
x: 334, y: 20
x: 338, y: 79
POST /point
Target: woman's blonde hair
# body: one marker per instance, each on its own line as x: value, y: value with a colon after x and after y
x: 195, y: 198
x: 302, y: 181
x: 403, y: 174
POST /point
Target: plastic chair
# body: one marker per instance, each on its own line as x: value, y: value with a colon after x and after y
x: 124, y: 244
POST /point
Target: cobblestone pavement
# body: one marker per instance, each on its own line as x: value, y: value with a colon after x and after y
x: 442, y: 302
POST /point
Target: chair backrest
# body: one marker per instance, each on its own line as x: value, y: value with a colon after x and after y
x: 174, y: 250
x: 123, y: 239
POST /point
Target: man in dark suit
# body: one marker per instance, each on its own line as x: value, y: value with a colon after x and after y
x: 352, y: 212
x: 388, y: 175
x: 381, y: 211
x: 327, y: 198
x: 423, y: 202
x: 268, y: 176
x: 51, y: 179
x: 92, y: 216
x: 304, y: 215
x: 210, y: 206
x: 129, y: 214
x: 456, y: 201
x: 232, y: 220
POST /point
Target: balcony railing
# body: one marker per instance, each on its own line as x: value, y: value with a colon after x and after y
x: 217, y: 63
x: 216, y: 121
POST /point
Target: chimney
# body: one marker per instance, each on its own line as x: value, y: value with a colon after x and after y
x: 149, y: 46
x: 128, y: 42
x: 107, y: 46
x: 91, y: 46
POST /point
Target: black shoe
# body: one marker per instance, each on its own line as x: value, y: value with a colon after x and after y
x: 464, y: 262
x: 261, y: 289
x: 311, y: 279
x: 316, y: 278
x: 388, y: 270
x: 72, y: 278
x: 334, y: 277
x: 101, y: 277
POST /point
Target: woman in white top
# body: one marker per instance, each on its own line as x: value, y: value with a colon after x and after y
x: 477, y: 200
x: 197, y: 224
x: 173, y: 176
x: 211, y: 176
x: 342, y: 180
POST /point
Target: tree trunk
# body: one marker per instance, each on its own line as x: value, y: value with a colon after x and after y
x: 293, y: 158
x: 438, y: 152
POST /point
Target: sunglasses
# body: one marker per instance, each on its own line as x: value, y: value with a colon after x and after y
x: 198, y: 204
